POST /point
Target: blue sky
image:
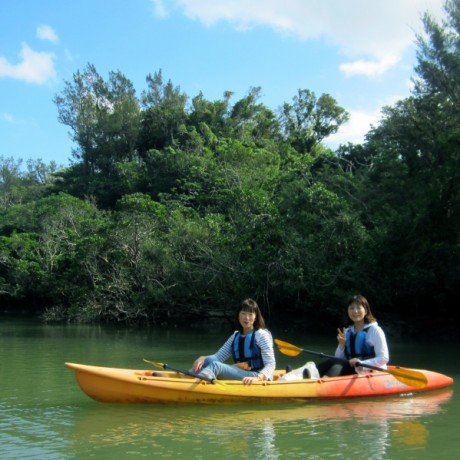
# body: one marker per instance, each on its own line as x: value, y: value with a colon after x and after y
x: 361, y: 52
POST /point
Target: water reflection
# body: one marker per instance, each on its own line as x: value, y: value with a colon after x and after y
x: 31, y: 433
x: 45, y: 416
x: 268, y: 432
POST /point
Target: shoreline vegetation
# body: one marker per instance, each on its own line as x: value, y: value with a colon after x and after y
x: 175, y: 206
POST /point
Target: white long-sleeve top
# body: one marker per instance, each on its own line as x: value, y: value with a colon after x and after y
x: 263, y: 338
x: 375, y: 338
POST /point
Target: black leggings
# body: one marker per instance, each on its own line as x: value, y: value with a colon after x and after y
x: 332, y: 368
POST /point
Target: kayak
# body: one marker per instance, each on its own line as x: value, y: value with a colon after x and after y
x: 116, y: 385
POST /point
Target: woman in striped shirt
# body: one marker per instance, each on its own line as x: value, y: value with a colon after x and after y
x: 251, y: 347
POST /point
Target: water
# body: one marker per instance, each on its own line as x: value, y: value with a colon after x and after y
x: 44, y: 414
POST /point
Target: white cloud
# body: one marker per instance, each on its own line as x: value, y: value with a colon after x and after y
x: 368, y: 68
x: 373, y: 34
x: 357, y: 127
x: 159, y: 8
x: 35, y: 66
x: 7, y: 117
x: 47, y: 33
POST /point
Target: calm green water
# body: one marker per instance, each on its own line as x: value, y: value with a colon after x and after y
x: 44, y: 415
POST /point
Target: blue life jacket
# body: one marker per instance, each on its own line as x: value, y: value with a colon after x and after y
x: 357, y: 347
x: 244, y: 349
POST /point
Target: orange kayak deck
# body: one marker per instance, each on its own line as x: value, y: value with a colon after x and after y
x: 116, y: 385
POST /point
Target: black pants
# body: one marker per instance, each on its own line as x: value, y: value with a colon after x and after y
x: 332, y: 368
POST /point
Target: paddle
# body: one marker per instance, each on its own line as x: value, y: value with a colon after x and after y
x: 407, y: 376
x: 189, y: 373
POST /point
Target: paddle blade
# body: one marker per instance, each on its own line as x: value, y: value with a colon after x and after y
x: 409, y: 377
x: 288, y: 348
x: 155, y: 364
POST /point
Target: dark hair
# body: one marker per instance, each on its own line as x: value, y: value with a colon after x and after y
x: 250, y: 306
x: 361, y: 300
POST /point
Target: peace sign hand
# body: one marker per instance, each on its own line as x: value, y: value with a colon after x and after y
x: 341, y: 337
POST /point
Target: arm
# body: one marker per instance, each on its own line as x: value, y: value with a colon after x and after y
x: 224, y: 352
x: 341, y: 339
x: 265, y: 342
x: 376, y: 338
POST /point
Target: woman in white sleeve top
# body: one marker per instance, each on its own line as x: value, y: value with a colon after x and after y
x: 362, y: 342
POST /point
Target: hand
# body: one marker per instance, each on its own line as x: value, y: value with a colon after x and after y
x: 251, y: 379
x: 342, y: 337
x: 198, y: 364
x: 354, y: 362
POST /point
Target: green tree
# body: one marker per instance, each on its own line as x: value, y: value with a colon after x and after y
x: 104, y: 117
x: 408, y: 182
x: 22, y: 184
x: 163, y: 116
x: 309, y: 120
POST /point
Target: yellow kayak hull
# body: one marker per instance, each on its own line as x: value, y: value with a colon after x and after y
x: 115, y: 385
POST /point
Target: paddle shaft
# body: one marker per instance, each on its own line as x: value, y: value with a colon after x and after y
x: 175, y: 369
x: 341, y: 360
x: 189, y: 373
x: 406, y: 376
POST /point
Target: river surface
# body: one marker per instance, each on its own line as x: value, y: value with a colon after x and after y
x: 44, y: 414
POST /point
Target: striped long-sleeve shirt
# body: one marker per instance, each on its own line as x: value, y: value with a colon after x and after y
x: 264, y: 340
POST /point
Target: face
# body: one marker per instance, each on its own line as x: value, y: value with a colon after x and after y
x: 356, y: 312
x: 246, y: 320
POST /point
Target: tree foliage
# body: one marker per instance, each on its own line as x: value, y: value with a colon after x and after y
x: 175, y: 207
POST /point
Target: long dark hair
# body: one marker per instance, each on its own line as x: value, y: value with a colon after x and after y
x: 250, y: 306
x: 361, y: 300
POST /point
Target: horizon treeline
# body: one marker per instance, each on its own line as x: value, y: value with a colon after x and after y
x: 174, y: 208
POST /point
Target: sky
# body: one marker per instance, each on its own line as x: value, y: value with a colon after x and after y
x: 361, y: 52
